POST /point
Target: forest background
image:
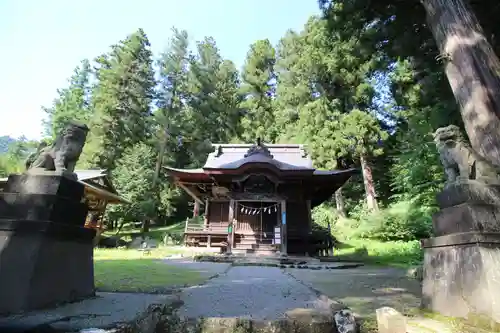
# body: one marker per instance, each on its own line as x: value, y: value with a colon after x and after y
x: 360, y: 82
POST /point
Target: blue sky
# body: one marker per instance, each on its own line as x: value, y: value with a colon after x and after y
x: 43, y: 41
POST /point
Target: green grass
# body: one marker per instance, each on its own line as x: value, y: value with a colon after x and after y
x: 472, y: 324
x: 161, y: 252
x: 403, y: 254
x: 132, y: 271
x: 156, y: 233
x: 397, y: 253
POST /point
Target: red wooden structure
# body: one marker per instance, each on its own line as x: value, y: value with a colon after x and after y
x: 257, y: 198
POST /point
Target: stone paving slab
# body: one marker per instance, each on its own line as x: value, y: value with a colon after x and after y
x: 258, y: 293
x: 364, y: 289
x: 104, y: 311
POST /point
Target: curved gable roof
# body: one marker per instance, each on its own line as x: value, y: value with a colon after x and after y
x: 286, y: 157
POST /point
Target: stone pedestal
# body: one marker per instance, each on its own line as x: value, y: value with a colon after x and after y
x: 462, y: 263
x: 461, y: 275
x: 46, y: 255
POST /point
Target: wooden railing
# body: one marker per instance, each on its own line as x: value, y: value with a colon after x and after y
x: 217, y: 227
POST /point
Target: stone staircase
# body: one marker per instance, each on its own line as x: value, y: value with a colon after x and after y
x: 256, y: 243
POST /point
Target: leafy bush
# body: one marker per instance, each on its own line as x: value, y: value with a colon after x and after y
x: 323, y: 214
x: 403, y: 220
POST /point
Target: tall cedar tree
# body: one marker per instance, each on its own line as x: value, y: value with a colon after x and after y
x: 121, y: 100
x: 214, y: 103
x: 449, y: 31
x: 170, y: 116
x: 72, y: 103
x: 258, y: 88
x: 326, y: 77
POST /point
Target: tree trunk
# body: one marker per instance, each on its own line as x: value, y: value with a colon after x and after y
x: 146, y: 223
x: 156, y: 176
x: 371, y: 198
x: 339, y: 201
x: 472, y: 69
x: 159, y: 160
x: 122, y: 223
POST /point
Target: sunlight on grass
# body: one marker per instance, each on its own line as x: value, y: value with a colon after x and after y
x: 396, y: 253
x: 132, y: 271
x: 155, y: 233
x: 141, y: 275
x: 125, y: 254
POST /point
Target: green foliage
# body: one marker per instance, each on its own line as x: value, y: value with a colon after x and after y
x: 360, y: 135
x: 258, y: 87
x: 121, y: 100
x: 324, y: 214
x: 13, y: 160
x: 350, y: 84
x: 132, y: 178
x: 5, y: 141
x: 402, y: 221
x: 399, y: 253
x: 73, y: 102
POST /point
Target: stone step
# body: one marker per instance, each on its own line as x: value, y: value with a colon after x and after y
x: 257, y: 252
x: 256, y: 236
x: 254, y: 246
x: 254, y: 241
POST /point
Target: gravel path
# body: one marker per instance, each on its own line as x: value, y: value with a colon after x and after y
x: 259, y: 293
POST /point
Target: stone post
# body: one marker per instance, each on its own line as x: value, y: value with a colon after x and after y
x: 46, y: 253
x: 462, y: 262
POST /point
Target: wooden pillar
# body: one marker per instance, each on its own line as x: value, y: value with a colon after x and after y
x: 284, y: 240
x: 309, y: 217
x: 196, y: 210
x: 205, y: 211
x: 233, y: 221
x: 230, y: 234
x: 309, y: 228
x: 206, y: 214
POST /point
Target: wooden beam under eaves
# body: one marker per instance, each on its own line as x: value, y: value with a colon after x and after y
x: 191, y: 193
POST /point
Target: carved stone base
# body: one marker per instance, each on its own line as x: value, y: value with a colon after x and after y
x: 46, y: 182
x: 43, y: 172
x: 43, y: 198
x: 467, y: 217
x: 461, y: 275
x: 46, y: 255
x: 469, y: 191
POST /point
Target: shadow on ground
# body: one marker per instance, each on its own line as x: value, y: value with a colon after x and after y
x: 365, y: 289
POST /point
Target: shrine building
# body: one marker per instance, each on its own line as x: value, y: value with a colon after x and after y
x: 257, y: 198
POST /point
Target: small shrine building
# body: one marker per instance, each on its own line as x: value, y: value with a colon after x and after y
x: 257, y: 198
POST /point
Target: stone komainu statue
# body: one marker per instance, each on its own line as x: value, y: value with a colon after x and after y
x: 63, y: 154
x: 461, y: 163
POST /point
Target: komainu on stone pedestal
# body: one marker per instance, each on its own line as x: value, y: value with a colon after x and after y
x: 470, y: 200
x: 462, y: 261
x: 461, y: 163
x: 46, y: 254
x: 63, y: 154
